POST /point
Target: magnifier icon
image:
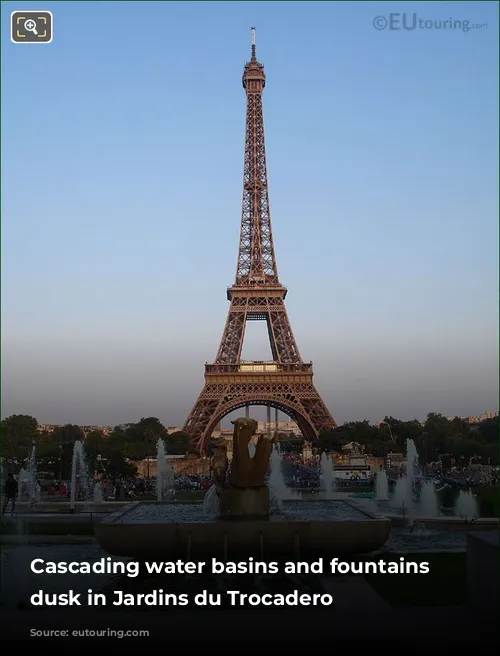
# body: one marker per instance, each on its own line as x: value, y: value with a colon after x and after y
x: 30, y: 26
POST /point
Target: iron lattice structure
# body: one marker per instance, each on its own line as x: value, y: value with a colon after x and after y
x: 257, y: 295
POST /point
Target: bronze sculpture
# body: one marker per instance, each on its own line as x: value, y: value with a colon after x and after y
x: 220, y: 464
x: 245, y: 493
x: 248, y: 471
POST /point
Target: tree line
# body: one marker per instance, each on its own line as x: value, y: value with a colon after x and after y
x: 112, y: 454
x: 437, y: 438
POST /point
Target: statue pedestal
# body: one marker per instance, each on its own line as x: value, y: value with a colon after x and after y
x: 241, y: 502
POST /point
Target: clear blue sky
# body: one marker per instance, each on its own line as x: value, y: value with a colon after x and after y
x: 122, y: 148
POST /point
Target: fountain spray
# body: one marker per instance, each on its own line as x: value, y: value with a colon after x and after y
x: 277, y: 483
x: 32, y: 477
x: 411, y: 466
x: 382, y: 486
x: 79, y: 476
x: 327, y: 475
x: 164, y: 472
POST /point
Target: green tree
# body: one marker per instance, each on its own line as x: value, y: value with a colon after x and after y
x: 467, y: 448
x: 135, y: 451
x: 177, y: 443
x: 459, y: 427
x: 146, y: 426
x: 95, y: 448
x: 145, y: 434
x: 48, y: 455
x: 63, y: 439
x: 390, y: 429
x: 330, y: 440
x: 115, y: 440
x: 18, y: 432
x: 67, y: 434
x: 491, y: 454
x: 397, y: 431
x: 118, y: 467
x: 489, y: 430
x: 439, y: 430
x: 360, y: 431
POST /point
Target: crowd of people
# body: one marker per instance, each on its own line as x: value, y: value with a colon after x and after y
x: 298, y: 473
x: 123, y: 489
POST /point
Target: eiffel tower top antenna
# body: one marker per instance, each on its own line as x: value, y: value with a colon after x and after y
x: 256, y: 258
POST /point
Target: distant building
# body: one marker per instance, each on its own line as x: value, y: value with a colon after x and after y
x: 356, y: 466
x: 476, y: 419
x: 480, y: 418
x: 353, y: 448
x: 50, y: 428
x: 287, y: 427
x: 189, y: 465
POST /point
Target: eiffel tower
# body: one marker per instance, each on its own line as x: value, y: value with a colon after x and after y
x: 230, y: 383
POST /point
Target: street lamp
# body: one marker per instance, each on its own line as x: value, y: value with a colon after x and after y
x: 60, y: 463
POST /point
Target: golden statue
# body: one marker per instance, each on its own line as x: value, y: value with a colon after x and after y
x: 246, y: 493
x: 220, y: 464
x: 248, y: 471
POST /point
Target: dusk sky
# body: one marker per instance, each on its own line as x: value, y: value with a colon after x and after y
x: 122, y: 149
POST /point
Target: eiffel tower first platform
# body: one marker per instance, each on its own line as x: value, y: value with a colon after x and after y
x: 286, y: 383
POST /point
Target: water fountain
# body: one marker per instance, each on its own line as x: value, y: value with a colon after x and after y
x: 404, y: 490
x: 466, y: 505
x: 211, y: 505
x: 33, y: 493
x: 164, y: 473
x: 277, y: 484
x: 80, y: 480
x: 399, y: 499
x: 426, y: 512
x: 246, y: 524
x: 411, y: 470
x: 327, y: 475
x: 428, y: 505
x: 98, y: 498
x: 382, y: 486
x: 29, y: 490
x: 23, y: 481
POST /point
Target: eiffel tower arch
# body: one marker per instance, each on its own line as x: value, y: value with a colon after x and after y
x: 286, y: 382
x: 299, y: 400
